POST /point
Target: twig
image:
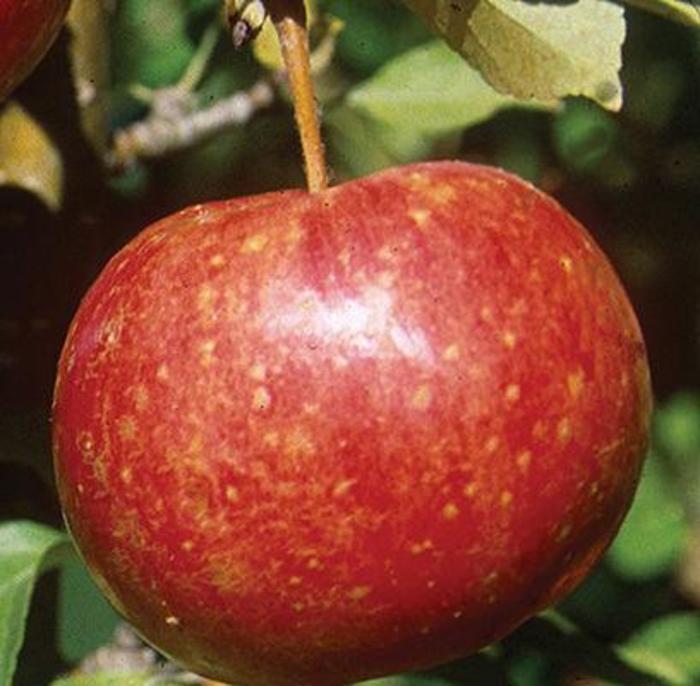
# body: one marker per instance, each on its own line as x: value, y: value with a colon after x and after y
x: 289, y: 19
x: 160, y: 134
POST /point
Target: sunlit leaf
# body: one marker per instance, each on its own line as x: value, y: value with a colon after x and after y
x: 668, y: 647
x: 26, y: 549
x: 428, y: 90
x: 28, y: 157
x: 359, y: 145
x: 544, y: 51
x: 89, y: 54
x: 683, y: 11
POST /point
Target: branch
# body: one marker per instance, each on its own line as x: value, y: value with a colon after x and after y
x: 170, y: 129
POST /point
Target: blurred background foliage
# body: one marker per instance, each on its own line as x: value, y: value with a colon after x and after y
x: 390, y: 94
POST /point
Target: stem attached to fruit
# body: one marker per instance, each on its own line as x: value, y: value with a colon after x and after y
x: 289, y: 17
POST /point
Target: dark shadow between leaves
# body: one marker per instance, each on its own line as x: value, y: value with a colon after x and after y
x: 564, y: 644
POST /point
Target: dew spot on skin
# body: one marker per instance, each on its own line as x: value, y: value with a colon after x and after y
x: 261, y: 399
x: 359, y: 592
x: 386, y: 279
x: 457, y: 614
x: 431, y: 583
x: 205, y: 299
x: 566, y: 263
x: 254, y: 244
x: 81, y: 489
x: 258, y: 371
x: 111, y: 332
x: 294, y: 234
x: 421, y: 217
x: 141, y: 398
x: 450, y: 511
x: 206, y: 353
x: 539, y: 429
x: 343, y: 487
x: 451, y: 353
x: 420, y: 548
x: 127, y: 428
x: 563, y: 533
x: 271, y: 439
x: 298, y: 443
x: 490, y: 579
x: 575, y: 382
x: 422, y: 397
x: 564, y: 430
x: 344, y: 258
x: 523, y: 460
x: 470, y: 489
x: 509, y: 339
x: 386, y: 254
x: 172, y: 620
x: 86, y: 444
x: 512, y: 393
x: 486, y: 313
x: 340, y: 362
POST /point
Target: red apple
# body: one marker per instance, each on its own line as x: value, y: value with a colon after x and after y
x: 314, y: 438
x: 27, y: 30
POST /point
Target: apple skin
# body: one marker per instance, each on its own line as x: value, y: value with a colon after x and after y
x: 316, y: 438
x: 27, y: 30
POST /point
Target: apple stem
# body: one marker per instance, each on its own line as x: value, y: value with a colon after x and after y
x: 289, y: 18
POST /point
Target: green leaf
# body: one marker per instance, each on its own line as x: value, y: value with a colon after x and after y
x: 428, y: 90
x: 651, y: 539
x: 359, y: 145
x: 102, y: 679
x: 26, y: 549
x: 677, y: 427
x: 562, y: 643
x: 584, y: 135
x: 683, y: 11
x: 81, y: 604
x: 153, y: 45
x: 374, y: 32
x: 668, y: 647
x: 543, y: 51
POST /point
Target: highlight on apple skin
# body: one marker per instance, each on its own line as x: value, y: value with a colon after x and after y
x: 27, y: 30
x: 316, y: 438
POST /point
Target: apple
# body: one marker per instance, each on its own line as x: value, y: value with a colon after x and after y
x: 27, y: 30
x: 312, y: 438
